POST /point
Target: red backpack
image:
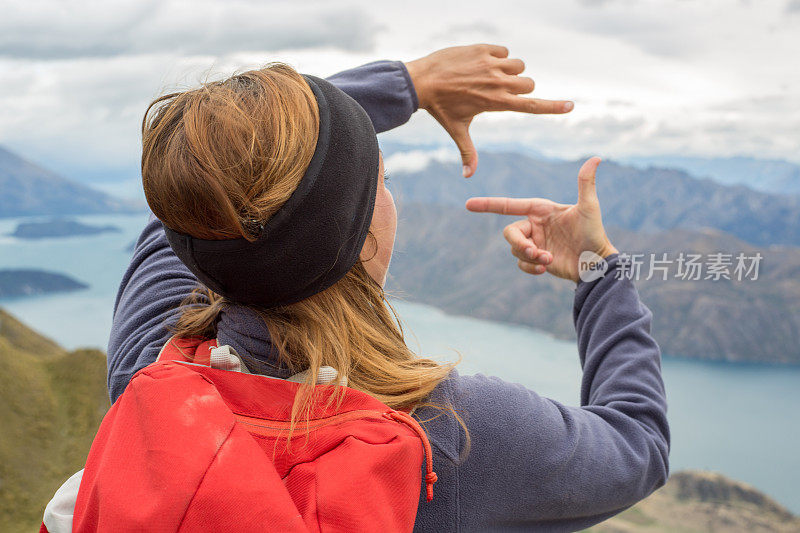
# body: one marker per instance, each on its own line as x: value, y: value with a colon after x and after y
x: 192, y: 448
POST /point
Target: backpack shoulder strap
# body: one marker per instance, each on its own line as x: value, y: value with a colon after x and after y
x: 195, y: 350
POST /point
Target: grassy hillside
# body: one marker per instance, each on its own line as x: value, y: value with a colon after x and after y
x: 51, y: 403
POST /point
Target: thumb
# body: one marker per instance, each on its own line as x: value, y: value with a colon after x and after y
x: 459, y: 131
x: 587, y: 193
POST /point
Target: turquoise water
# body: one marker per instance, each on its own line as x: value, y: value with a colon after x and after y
x: 741, y: 420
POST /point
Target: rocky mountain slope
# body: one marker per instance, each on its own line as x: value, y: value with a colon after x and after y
x: 458, y: 261
x: 704, y: 501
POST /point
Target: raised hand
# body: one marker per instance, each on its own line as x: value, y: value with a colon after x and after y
x: 455, y: 84
x: 552, y: 236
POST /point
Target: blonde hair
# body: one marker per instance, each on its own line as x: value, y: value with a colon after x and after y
x: 219, y: 157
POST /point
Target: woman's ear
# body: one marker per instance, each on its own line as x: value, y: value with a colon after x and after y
x: 370, y: 247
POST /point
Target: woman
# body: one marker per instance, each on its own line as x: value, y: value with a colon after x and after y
x: 227, y: 163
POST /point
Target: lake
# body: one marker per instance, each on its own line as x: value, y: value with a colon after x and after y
x: 738, y: 419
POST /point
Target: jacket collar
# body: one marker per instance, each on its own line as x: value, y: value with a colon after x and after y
x: 245, y: 331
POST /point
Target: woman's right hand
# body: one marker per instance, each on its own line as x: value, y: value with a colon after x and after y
x: 552, y: 237
x: 456, y: 84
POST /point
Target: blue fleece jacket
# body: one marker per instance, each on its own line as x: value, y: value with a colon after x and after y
x: 534, y: 464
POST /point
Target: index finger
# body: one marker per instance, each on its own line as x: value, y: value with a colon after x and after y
x: 538, y: 106
x: 499, y: 205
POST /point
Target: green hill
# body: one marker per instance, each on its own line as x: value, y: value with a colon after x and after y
x: 51, y: 403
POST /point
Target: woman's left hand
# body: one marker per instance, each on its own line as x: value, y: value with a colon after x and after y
x: 554, y: 237
x: 455, y: 84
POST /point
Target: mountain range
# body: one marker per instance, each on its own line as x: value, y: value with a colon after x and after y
x: 458, y: 261
x: 768, y: 175
x: 641, y: 200
x: 29, y: 189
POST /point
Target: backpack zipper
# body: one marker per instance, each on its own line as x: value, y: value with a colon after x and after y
x: 276, y: 428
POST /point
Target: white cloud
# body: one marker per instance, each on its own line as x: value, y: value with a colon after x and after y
x: 415, y: 160
x: 56, y: 30
x: 708, y: 78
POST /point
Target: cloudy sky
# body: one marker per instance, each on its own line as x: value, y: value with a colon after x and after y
x: 711, y: 78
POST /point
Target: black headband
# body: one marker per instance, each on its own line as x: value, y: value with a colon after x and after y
x: 317, y: 235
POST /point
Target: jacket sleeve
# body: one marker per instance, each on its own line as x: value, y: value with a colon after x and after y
x: 156, y: 282
x: 384, y: 89
x: 535, y: 463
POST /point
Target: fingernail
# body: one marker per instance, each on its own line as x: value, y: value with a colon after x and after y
x: 465, y: 170
x: 568, y: 106
x: 530, y: 252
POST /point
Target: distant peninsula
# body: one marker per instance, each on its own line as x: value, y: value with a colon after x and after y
x: 57, y: 228
x: 29, y: 282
